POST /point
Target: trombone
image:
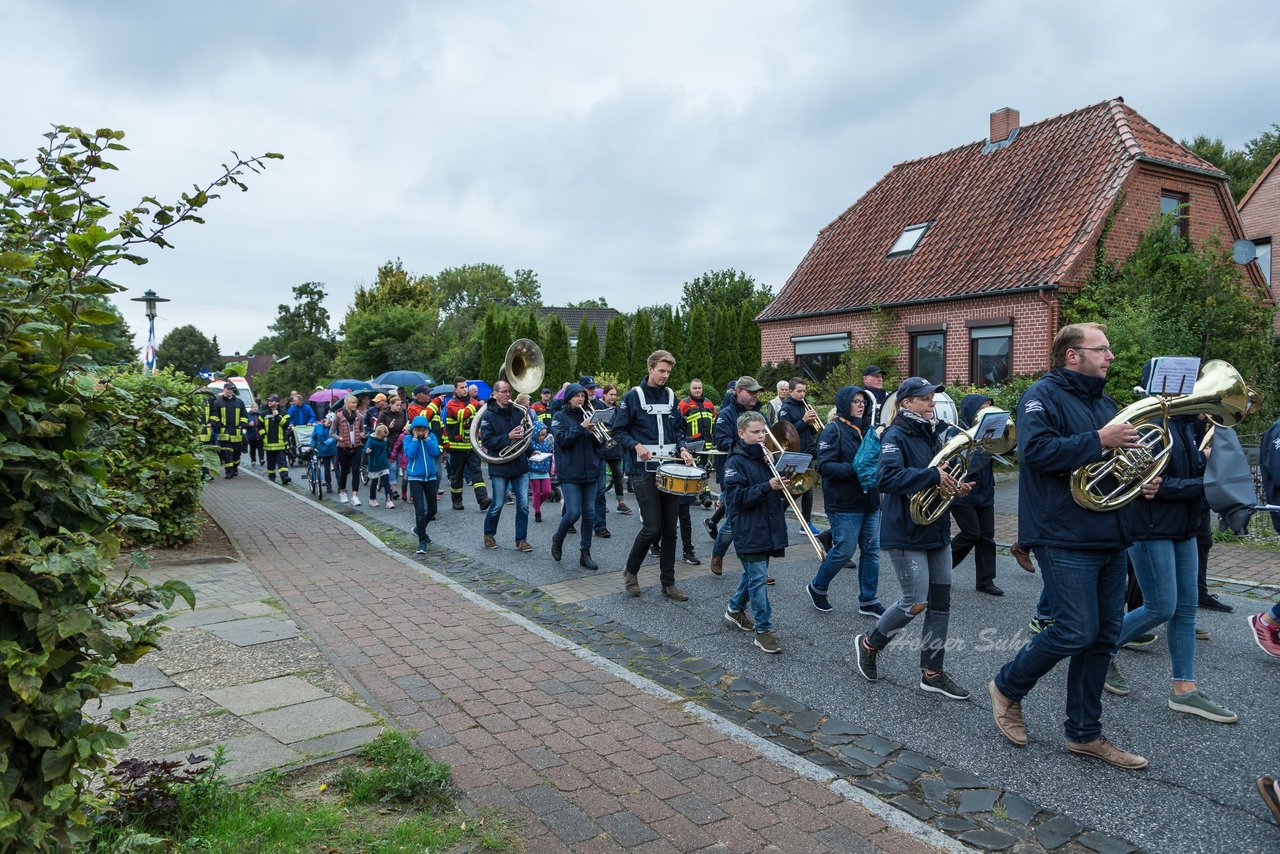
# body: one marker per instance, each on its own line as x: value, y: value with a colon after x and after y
x: 790, y: 441
x: 822, y: 425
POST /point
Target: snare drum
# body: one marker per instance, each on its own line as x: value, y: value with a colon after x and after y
x: 678, y: 479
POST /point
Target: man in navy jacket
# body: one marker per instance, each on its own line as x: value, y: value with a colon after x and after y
x: 1063, y: 424
x: 724, y: 435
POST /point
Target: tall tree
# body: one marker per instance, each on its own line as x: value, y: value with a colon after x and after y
x: 302, y: 332
x: 1243, y: 165
x: 380, y: 339
x: 749, y: 352
x: 598, y: 302
x: 476, y: 286
x: 673, y: 342
x: 559, y: 366
x: 615, y: 348
x: 188, y: 350
x: 727, y: 288
x: 587, y: 359
x: 641, y: 346
x: 393, y: 285
x: 530, y: 328
x: 698, y: 347
x: 724, y: 347
x: 491, y: 349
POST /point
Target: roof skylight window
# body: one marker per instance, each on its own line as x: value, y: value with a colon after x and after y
x: 906, y: 242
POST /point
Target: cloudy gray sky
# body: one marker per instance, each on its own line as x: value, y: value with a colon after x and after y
x: 617, y: 149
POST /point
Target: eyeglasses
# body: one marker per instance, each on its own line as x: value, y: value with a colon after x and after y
x: 1095, y: 349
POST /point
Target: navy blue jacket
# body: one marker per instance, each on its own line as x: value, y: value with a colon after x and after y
x: 1058, y: 422
x: 907, y: 447
x: 757, y: 509
x: 837, y: 446
x: 633, y: 426
x: 1174, y: 513
x: 494, y: 427
x: 980, y: 473
x: 794, y: 411
x: 724, y: 432
x: 577, y: 460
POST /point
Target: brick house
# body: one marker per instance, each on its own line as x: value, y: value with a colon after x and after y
x: 969, y: 250
x: 1260, y: 213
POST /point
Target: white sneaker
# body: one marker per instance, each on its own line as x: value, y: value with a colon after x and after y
x: 391, y: 505
x: 355, y: 500
x: 373, y: 502
x: 342, y: 498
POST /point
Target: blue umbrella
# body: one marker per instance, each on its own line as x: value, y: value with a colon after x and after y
x: 408, y: 379
x: 353, y: 386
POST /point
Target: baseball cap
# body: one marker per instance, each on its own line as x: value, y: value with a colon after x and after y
x: 546, y: 390
x: 420, y: 421
x: 748, y: 384
x: 872, y: 370
x: 587, y: 382
x: 422, y: 389
x: 274, y: 397
x: 231, y: 386
x: 917, y: 387
x: 380, y: 398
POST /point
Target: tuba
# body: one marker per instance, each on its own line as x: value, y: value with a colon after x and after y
x: 522, y: 367
x: 928, y: 505
x: 1220, y: 393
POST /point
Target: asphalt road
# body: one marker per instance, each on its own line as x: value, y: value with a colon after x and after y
x: 1197, y: 795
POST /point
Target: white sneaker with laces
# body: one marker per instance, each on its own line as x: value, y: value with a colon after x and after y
x: 391, y: 505
x: 373, y: 502
x: 355, y: 500
x: 342, y: 498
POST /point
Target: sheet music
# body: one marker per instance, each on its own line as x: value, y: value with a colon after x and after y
x: 1174, y: 375
x: 991, y: 427
x: 602, y: 416
x: 792, y: 463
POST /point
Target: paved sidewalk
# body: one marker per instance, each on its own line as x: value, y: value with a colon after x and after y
x: 591, y: 758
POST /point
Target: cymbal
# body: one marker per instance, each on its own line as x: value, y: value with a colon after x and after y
x: 712, y: 453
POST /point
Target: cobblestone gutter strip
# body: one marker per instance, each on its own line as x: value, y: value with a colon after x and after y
x: 945, y: 805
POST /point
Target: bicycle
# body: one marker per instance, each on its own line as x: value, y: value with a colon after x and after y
x: 315, y: 474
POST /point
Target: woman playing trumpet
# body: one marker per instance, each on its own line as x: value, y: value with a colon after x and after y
x: 921, y: 553
x: 803, y: 417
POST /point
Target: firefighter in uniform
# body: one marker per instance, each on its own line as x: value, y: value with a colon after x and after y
x: 463, y: 461
x: 699, y: 415
x: 541, y: 408
x: 227, y: 416
x: 209, y: 436
x: 275, y: 438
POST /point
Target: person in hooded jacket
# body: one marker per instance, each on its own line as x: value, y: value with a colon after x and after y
x: 422, y: 471
x: 854, y: 513
x: 1163, y: 523
x: 578, y: 466
x: 753, y: 494
x: 501, y: 426
x: 975, y: 514
x: 805, y: 419
x: 921, y: 554
x: 1063, y: 424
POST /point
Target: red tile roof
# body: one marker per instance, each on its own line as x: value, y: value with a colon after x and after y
x: 1018, y: 216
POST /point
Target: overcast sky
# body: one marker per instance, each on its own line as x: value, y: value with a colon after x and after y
x: 616, y: 149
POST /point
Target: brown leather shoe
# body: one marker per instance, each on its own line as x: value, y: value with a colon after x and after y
x: 490, y: 542
x: 1022, y: 556
x: 1008, y: 715
x: 675, y: 593
x: 631, y: 582
x: 717, y: 565
x: 523, y: 546
x: 1102, y: 749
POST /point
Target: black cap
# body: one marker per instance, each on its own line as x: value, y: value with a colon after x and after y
x: 546, y: 390
x: 231, y: 386
x: 422, y: 389
x: 872, y: 370
x: 272, y: 397
x: 917, y: 387
x: 587, y: 382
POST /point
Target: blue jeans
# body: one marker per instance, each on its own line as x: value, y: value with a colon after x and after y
x: 724, y: 537
x: 602, y: 511
x: 1085, y: 591
x: 1166, y: 571
x: 578, y: 499
x: 751, y: 588
x: 423, y: 495
x: 925, y: 580
x: 520, y: 487
x: 851, y: 531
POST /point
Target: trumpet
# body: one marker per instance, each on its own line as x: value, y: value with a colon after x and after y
x: 792, y: 441
x: 809, y: 408
x: 600, y: 432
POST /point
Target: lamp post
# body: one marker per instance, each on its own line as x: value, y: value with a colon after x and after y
x: 149, y: 356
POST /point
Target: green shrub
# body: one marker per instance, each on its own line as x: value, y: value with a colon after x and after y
x: 63, y: 626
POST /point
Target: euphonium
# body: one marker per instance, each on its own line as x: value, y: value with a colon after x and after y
x: 928, y: 505
x: 1220, y: 393
x: 522, y: 367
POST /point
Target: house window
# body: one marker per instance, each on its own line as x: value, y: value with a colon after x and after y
x: 906, y: 242
x: 817, y: 355
x: 1177, y: 204
x: 927, y: 355
x: 989, y: 355
x: 1263, y: 255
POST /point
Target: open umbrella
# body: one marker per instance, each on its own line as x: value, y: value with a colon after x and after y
x: 408, y: 379
x: 353, y: 386
x: 328, y: 395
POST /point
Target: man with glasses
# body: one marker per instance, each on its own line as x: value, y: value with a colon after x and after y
x: 1063, y: 425
x: 501, y: 427
x: 746, y: 398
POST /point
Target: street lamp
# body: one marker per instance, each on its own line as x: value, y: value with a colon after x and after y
x: 149, y: 357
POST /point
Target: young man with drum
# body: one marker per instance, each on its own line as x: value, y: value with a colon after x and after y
x: 648, y: 425
x: 578, y: 465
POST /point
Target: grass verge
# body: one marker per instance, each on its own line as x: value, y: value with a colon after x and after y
x: 389, y: 799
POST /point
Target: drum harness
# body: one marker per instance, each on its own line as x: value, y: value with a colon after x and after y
x: 660, y: 411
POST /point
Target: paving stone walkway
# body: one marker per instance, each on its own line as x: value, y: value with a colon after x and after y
x: 588, y: 756
x: 238, y: 672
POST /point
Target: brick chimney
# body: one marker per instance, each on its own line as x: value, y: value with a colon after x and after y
x: 1003, y: 121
